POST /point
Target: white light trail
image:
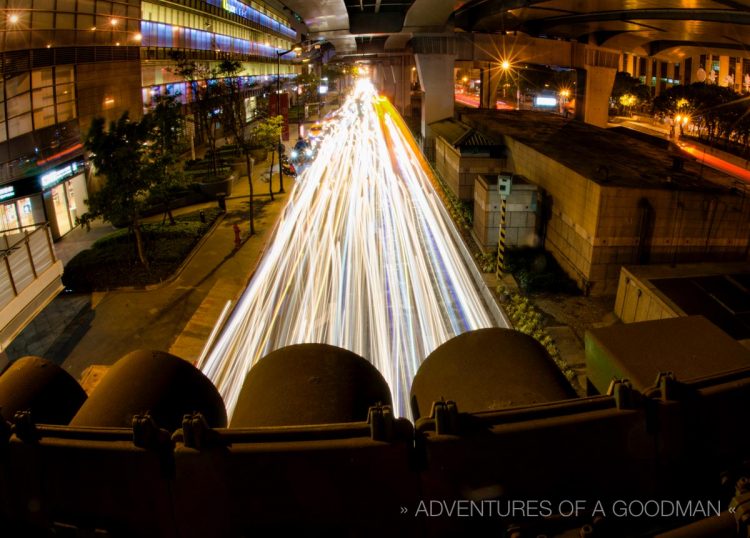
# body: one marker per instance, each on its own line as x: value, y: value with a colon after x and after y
x: 364, y: 257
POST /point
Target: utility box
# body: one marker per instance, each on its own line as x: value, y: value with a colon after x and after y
x: 691, y: 348
x: 521, y: 211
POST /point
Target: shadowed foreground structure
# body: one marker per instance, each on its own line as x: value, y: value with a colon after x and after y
x: 346, y: 466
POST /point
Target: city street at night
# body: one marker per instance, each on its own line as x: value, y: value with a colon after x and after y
x: 364, y: 257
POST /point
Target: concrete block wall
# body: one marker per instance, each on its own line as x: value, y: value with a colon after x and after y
x: 461, y: 171
x: 593, y: 229
x: 574, y: 195
x: 471, y: 167
x: 639, y: 300
x: 447, y: 159
x: 687, y: 225
x: 521, y: 214
x: 574, y: 215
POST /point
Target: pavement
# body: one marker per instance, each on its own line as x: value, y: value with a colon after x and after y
x: 85, y: 332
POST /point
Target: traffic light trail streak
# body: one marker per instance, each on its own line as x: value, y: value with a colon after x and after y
x: 364, y: 257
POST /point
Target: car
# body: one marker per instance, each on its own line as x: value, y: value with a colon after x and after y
x: 302, y: 151
x: 316, y: 130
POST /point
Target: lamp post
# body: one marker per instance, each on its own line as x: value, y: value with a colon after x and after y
x: 507, y: 68
x: 279, y: 54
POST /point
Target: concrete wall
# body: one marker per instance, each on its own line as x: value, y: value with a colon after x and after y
x: 593, y: 230
x: 573, y: 214
x: 639, y: 300
x: 461, y: 171
x: 521, y: 214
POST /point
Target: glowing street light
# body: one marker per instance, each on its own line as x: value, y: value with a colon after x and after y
x: 13, y: 18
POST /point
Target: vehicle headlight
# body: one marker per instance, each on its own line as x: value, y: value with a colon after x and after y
x: 308, y: 152
x: 294, y: 154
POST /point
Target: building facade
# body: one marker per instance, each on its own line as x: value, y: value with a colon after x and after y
x: 713, y: 68
x: 64, y: 62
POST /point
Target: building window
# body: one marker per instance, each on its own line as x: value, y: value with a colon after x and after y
x: 19, y: 125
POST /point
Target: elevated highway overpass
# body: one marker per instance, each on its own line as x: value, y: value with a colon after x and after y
x: 594, y: 38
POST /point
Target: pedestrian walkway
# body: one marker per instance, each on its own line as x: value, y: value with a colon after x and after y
x: 78, y: 331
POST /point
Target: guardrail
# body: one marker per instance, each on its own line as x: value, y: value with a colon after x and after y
x: 25, y: 256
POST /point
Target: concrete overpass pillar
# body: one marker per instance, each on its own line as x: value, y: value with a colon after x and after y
x: 593, y: 88
x: 436, y: 81
x: 490, y: 81
x: 395, y: 83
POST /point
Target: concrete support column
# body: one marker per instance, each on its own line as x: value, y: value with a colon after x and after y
x: 397, y: 82
x: 593, y: 88
x: 723, y: 70
x: 436, y: 81
x: 491, y: 75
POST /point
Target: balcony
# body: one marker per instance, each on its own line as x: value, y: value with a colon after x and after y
x: 30, y: 277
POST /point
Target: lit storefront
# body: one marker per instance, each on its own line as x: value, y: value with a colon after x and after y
x: 57, y: 197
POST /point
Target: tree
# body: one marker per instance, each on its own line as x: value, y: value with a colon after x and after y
x: 233, y: 117
x: 164, y: 124
x: 307, y: 91
x: 627, y: 85
x: 718, y: 112
x: 266, y: 134
x: 628, y: 100
x: 205, y: 98
x: 118, y: 154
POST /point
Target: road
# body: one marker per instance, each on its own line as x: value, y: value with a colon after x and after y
x: 698, y: 152
x: 364, y: 257
x: 473, y: 101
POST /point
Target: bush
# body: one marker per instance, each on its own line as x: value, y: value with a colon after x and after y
x: 112, y: 261
x: 487, y: 261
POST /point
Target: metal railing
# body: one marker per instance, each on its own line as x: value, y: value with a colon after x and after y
x: 25, y: 256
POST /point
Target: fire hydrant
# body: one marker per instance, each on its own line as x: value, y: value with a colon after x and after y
x: 236, y: 235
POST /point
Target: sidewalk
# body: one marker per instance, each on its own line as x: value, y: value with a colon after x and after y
x: 79, y: 331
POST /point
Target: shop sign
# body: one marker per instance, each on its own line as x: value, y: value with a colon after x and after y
x: 7, y: 192
x: 56, y: 176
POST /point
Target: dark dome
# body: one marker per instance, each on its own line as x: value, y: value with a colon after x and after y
x: 488, y: 369
x: 42, y: 387
x: 156, y: 382
x: 309, y: 384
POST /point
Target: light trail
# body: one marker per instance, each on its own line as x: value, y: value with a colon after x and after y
x: 473, y: 101
x: 364, y: 257
x: 715, y: 162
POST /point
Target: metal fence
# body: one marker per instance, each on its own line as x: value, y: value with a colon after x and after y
x: 24, y: 255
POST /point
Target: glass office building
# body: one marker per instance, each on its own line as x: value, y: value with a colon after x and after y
x: 64, y: 62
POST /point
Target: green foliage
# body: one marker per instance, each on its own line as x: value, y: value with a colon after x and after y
x: 718, y: 112
x: 119, y: 154
x: 628, y: 85
x: 111, y: 262
x: 207, y: 94
x: 266, y: 133
x: 528, y: 320
x: 163, y: 124
x: 461, y: 212
x: 487, y: 261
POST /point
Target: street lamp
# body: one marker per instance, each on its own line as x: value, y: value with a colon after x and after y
x: 296, y: 49
x: 507, y: 68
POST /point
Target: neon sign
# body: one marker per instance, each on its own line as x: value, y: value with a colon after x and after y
x: 7, y: 192
x: 56, y: 176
